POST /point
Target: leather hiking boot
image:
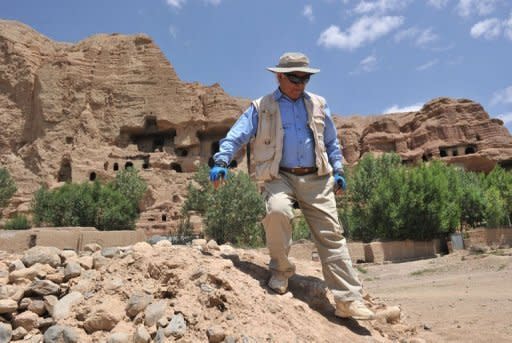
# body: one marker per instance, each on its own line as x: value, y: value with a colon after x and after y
x: 278, y: 284
x: 354, y: 309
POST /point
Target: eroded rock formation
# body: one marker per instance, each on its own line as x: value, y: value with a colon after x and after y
x: 458, y: 131
x: 78, y: 112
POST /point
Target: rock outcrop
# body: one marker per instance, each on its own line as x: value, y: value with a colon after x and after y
x: 458, y: 131
x: 79, y: 112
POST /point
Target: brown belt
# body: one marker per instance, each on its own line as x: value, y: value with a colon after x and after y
x: 300, y: 170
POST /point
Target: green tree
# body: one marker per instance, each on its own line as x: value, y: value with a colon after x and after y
x: 232, y: 212
x: 7, y: 188
x: 495, y: 210
x: 129, y: 184
x: 473, y: 199
x: 501, y: 180
x: 108, y: 206
x: 18, y: 222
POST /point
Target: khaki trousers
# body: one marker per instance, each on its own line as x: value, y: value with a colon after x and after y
x: 315, y: 197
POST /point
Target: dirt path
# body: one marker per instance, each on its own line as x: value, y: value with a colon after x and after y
x: 454, y: 298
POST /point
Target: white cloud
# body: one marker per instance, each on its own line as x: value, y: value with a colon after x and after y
x: 173, y: 31
x: 411, y: 108
x: 488, y: 29
x: 409, y: 33
x: 492, y: 28
x: 364, y: 30
x: 369, y: 63
x: 381, y: 6
x: 175, y: 3
x: 308, y: 12
x: 508, y: 27
x: 366, y: 65
x: 439, y: 4
x: 420, y: 37
x: 213, y: 2
x: 503, y: 96
x: 425, y: 37
x: 179, y: 3
x: 466, y: 8
x: 427, y: 65
x: 506, y: 117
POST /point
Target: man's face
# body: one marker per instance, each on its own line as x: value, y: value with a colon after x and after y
x: 293, y: 84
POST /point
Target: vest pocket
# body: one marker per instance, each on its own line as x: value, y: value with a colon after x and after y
x: 265, y: 152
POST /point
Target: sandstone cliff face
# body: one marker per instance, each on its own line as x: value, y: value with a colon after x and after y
x: 458, y: 131
x: 78, y: 112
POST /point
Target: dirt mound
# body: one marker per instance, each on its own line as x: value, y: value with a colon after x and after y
x: 161, y: 293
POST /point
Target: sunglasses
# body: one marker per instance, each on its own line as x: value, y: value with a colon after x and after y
x: 297, y: 79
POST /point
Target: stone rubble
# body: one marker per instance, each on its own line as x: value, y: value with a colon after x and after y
x: 160, y: 293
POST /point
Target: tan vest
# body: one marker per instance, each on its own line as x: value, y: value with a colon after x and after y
x: 268, y: 144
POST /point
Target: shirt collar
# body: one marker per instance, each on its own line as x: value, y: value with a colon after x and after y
x: 278, y: 95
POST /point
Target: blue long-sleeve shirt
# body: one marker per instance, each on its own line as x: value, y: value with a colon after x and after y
x: 298, y: 141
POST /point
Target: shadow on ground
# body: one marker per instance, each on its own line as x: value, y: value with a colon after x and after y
x: 309, y: 289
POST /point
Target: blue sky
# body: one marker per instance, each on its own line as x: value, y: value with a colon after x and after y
x: 376, y: 56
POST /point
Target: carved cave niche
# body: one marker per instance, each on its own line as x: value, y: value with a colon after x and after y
x: 65, y: 171
x: 209, y: 143
x: 152, y: 137
x: 506, y: 164
x: 92, y: 176
x: 181, y: 152
x: 115, y: 167
x: 128, y: 165
x: 470, y: 150
x: 176, y: 167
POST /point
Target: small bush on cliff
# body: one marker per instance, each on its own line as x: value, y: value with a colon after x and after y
x: 232, y: 212
x: 110, y: 206
x: 7, y: 188
x: 18, y: 222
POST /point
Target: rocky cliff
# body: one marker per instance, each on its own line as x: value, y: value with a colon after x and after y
x: 458, y: 131
x: 78, y: 112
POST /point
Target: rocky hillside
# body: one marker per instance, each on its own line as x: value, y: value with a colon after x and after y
x: 83, y: 111
x: 165, y: 293
x: 457, y: 131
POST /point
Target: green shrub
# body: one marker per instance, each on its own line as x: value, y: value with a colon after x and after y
x: 386, y: 200
x: 496, y: 208
x: 300, y: 228
x: 111, y: 206
x: 18, y: 222
x: 232, y: 212
x: 7, y: 188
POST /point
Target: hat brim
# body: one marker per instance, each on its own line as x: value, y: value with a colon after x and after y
x: 291, y: 69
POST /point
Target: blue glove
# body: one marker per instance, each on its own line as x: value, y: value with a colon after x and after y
x: 219, y: 171
x: 339, y: 181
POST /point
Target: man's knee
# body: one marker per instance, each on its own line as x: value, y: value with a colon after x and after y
x: 279, y: 207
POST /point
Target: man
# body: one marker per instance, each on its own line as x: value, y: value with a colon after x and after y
x: 297, y: 155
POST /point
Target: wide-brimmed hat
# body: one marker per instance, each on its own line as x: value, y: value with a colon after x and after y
x: 293, y: 61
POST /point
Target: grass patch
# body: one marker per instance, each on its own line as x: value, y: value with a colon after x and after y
x: 371, y: 278
x: 362, y: 270
x: 423, y: 272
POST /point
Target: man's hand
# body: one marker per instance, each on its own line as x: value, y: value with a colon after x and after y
x: 218, y: 172
x: 340, y: 184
